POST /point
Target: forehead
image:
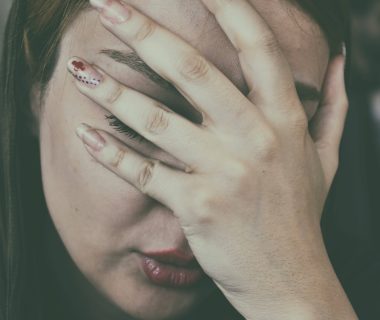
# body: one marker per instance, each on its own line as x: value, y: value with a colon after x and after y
x: 300, y: 38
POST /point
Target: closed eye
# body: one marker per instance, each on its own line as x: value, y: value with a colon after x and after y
x: 121, y: 127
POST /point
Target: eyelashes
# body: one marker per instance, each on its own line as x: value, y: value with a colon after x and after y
x: 123, y: 128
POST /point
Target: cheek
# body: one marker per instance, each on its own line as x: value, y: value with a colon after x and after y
x: 91, y: 207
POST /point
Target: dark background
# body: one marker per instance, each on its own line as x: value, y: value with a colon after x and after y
x: 4, y: 7
x: 351, y: 222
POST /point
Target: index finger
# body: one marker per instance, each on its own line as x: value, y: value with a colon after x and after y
x: 264, y: 65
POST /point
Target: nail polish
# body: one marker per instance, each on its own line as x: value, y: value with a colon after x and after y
x: 344, y: 52
x: 98, y: 4
x: 90, y: 137
x: 84, y: 73
x: 114, y: 11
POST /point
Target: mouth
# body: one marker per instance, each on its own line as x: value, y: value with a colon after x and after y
x: 171, y: 268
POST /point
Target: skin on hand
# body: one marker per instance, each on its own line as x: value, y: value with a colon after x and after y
x: 258, y: 178
x: 245, y: 186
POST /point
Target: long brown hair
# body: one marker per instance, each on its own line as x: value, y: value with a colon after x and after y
x: 34, y: 31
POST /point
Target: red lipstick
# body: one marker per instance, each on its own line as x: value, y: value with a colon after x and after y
x: 171, y: 268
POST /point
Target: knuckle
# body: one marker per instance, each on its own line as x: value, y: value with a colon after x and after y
x: 236, y: 170
x: 145, y: 174
x: 205, y: 203
x: 145, y: 31
x: 118, y: 158
x: 266, y: 145
x: 269, y: 43
x: 299, y: 121
x: 157, y: 121
x: 114, y: 94
x: 239, y: 174
x: 194, y: 67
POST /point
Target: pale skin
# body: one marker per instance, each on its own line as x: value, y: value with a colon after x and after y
x: 258, y: 176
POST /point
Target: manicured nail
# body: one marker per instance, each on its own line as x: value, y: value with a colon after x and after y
x: 344, y: 49
x: 344, y: 53
x: 90, y: 137
x: 84, y: 73
x: 98, y: 4
x: 114, y: 11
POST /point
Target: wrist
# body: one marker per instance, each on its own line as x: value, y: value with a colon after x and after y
x: 322, y: 305
x: 295, y: 311
x: 302, y: 313
x: 319, y: 297
x: 303, y: 287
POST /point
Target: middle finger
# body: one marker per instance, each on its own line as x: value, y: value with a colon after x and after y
x: 218, y: 100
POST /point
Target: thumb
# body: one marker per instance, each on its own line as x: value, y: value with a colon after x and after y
x: 327, y: 126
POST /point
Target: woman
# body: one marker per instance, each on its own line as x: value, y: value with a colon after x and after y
x: 198, y: 180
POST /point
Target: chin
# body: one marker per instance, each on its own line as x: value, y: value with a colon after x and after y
x: 163, y: 311
x: 147, y: 301
x: 165, y: 307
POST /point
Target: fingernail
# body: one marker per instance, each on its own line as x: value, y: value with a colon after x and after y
x: 114, y: 11
x: 84, y: 73
x: 189, y: 169
x: 98, y: 4
x: 90, y: 137
x: 344, y: 52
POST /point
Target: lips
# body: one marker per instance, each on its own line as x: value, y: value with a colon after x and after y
x: 171, y: 268
x: 174, y: 257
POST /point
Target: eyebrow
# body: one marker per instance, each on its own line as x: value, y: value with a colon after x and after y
x: 132, y: 60
x: 306, y: 92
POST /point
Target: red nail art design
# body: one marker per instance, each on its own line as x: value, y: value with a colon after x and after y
x: 84, y: 73
x: 78, y: 65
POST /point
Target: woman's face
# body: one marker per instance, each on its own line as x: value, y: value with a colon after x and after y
x: 103, y: 221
